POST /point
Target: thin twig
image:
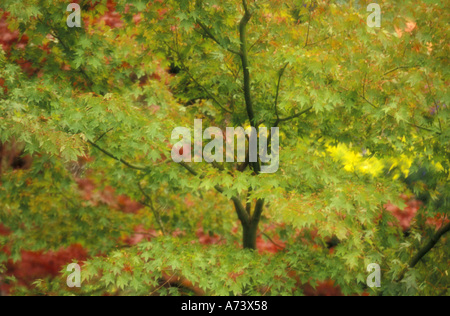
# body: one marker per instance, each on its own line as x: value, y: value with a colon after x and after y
x: 156, y: 213
x: 211, y: 36
x: 391, y: 116
x: 273, y: 242
x: 186, y: 69
x: 66, y: 48
x: 129, y: 165
x: 400, y: 67
x: 294, y: 116
x: 164, y: 284
x: 280, y: 76
x: 104, y: 134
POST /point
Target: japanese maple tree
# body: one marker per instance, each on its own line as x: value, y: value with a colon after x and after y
x: 363, y: 116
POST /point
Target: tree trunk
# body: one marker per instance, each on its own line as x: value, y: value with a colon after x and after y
x: 250, y: 225
x: 249, y: 235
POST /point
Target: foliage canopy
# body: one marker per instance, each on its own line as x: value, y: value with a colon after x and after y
x: 363, y: 114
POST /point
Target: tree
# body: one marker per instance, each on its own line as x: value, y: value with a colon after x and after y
x: 358, y: 108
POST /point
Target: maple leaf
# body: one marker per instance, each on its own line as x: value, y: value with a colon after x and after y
x: 410, y: 26
x: 398, y: 31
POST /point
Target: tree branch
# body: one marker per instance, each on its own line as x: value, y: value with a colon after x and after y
x: 273, y: 242
x: 245, y: 65
x: 211, y: 36
x: 427, y: 248
x: 118, y: 159
x: 400, y: 67
x: 389, y: 115
x: 248, y: 206
x: 66, y: 48
x: 434, y: 240
x: 186, y: 69
x: 188, y: 168
x: 293, y: 116
x: 204, y: 89
x: 103, y: 135
x: 83, y: 72
x: 259, y: 208
x: 240, y: 210
x: 280, y: 76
